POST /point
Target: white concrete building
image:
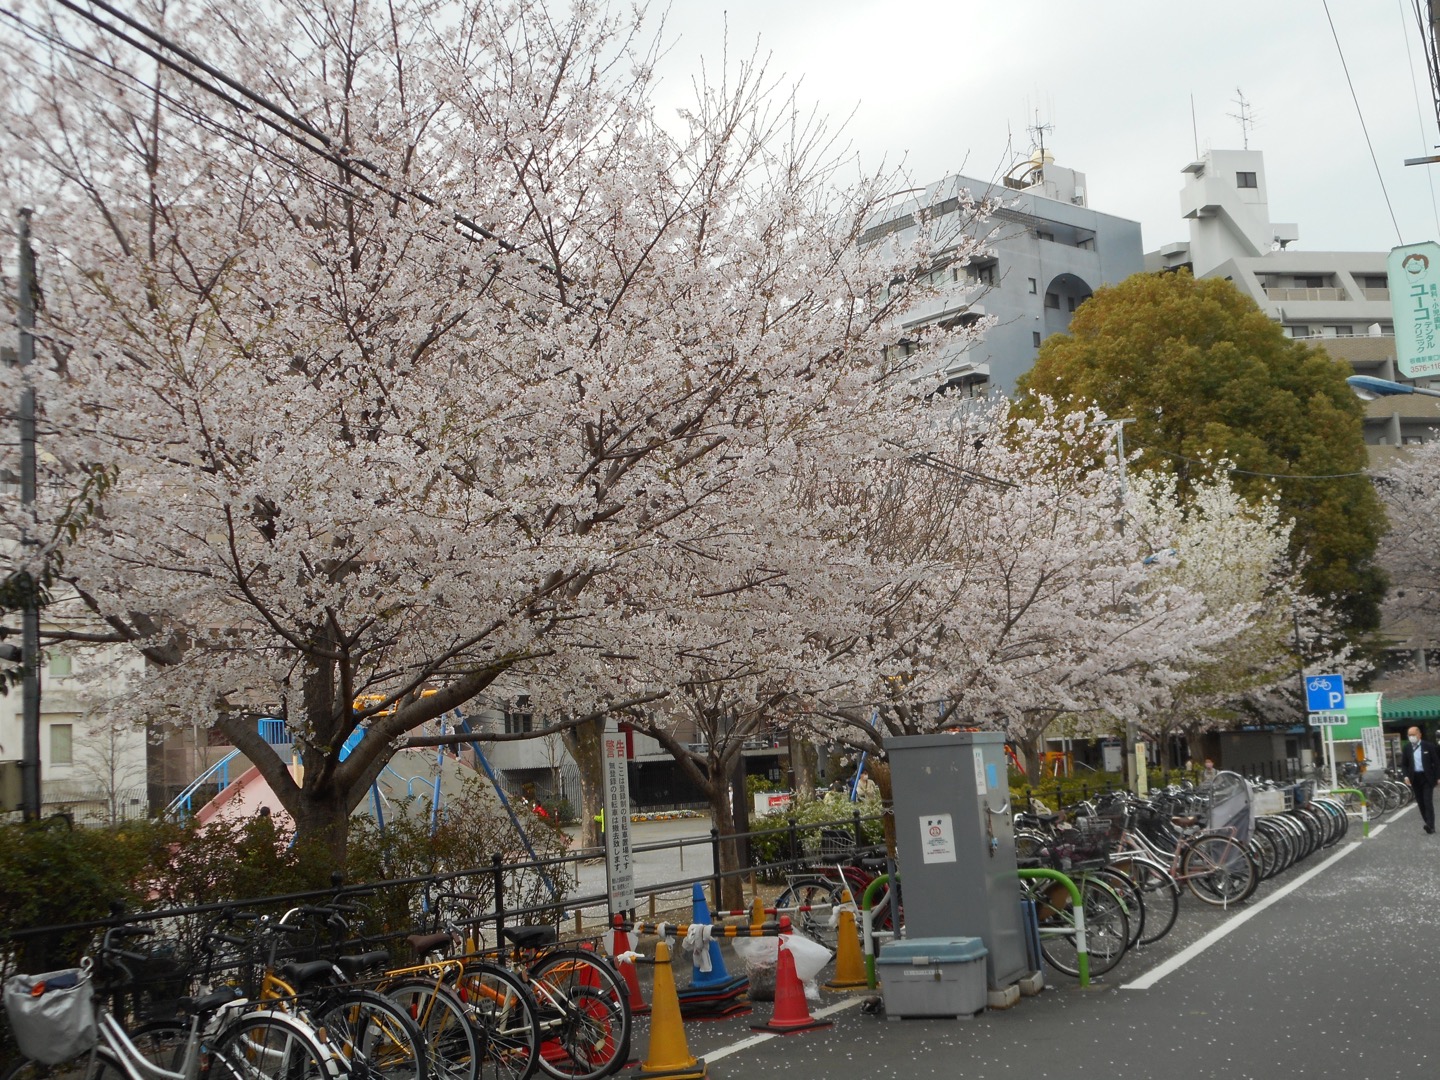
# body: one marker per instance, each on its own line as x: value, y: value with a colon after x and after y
x: 1338, y: 299
x: 1048, y: 253
x: 90, y: 768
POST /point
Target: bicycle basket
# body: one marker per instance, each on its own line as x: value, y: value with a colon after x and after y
x: 53, y: 1015
x: 1085, y: 840
x: 830, y: 844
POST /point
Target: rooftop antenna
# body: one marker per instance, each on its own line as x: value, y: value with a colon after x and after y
x: 1037, y: 132
x: 1246, y: 116
x: 1194, y: 127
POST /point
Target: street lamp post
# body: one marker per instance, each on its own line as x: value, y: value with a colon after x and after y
x: 1369, y: 388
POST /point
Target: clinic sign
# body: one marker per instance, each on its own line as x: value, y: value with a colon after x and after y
x: 1413, y: 274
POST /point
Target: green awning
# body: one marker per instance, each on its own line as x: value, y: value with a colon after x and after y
x: 1425, y: 707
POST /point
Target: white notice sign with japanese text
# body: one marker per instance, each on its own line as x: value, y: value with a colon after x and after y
x: 619, y: 866
x: 937, y: 838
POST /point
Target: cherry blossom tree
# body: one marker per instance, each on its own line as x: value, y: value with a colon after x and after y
x: 1028, y: 595
x: 1409, y: 552
x: 1234, y: 552
x: 394, y: 344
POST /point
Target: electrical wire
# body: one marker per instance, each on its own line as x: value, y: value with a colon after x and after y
x: 1358, y: 112
x: 1419, y: 112
x: 246, y: 140
x: 1250, y: 472
x: 306, y: 135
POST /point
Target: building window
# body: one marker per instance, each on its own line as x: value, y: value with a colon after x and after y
x: 59, y: 664
x: 1245, y: 180
x: 1412, y: 440
x: 1052, y: 300
x: 1297, y: 331
x: 1035, y: 337
x: 1309, y: 282
x: 519, y: 719
x: 982, y: 271
x: 1070, y: 303
x: 62, y: 747
x: 1034, y: 286
x: 1339, y: 331
x: 1041, y: 234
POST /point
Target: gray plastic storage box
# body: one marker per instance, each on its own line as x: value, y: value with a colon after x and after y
x: 933, y: 977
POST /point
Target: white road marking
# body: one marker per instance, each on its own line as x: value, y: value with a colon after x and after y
x: 1180, y: 959
x: 765, y: 1036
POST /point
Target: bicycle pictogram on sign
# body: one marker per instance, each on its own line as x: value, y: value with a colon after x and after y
x: 1324, y: 693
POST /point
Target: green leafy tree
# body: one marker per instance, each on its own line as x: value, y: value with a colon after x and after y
x: 1208, y: 377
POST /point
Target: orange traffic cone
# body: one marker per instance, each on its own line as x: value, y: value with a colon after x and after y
x: 638, y: 1006
x: 792, y: 1012
x: 669, y: 1054
x: 849, y: 966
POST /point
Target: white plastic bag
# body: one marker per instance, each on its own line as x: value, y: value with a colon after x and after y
x: 758, y: 954
x: 761, y: 956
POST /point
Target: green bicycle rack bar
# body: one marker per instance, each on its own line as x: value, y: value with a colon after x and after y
x: 1082, y: 955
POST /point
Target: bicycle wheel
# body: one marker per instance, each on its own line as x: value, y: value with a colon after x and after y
x: 503, y: 1007
x: 454, y: 1042
x: 1129, y: 894
x: 1107, y: 930
x: 76, y: 1069
x: 276, y: 1046
x: 1218, y: 870
x: 570, y: 969
x: 817, y: 892
x: 374, y: 1034
x: 1162, y: 897
x: 581, y: 1034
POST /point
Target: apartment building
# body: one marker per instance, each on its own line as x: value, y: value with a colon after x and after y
x: 1336, y: 299
x: 1046, y: 252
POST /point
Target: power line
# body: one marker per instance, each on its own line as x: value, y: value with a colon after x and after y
x: 1250, y: 472
x: 1419, y: 112
x: 1358, y: 112
x: 282, y: 121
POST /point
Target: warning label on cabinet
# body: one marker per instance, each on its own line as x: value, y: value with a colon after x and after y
x: 937, y: 838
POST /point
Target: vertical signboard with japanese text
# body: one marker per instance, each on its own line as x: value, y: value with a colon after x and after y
x: 1413, y: 274
x: 619, y: 867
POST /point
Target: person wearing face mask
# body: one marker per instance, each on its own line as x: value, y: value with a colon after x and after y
x: 1420, y: 761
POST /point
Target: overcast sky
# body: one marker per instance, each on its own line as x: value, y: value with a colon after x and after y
x: 953, y: 87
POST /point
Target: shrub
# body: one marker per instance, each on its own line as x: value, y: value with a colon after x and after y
x: 831, y: 808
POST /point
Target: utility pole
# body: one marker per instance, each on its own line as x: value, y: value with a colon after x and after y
x: 30, y: 617
x: 1132, y: 729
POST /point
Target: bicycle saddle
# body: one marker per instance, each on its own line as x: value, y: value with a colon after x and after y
x: 354, y: 965
x: 307, y: 973
x: 425, y: 943
x: 531, y: 937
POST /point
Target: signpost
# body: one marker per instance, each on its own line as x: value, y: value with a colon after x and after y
x: 1413, y: 274
x: 1325, y: 697
x: 619, y: 864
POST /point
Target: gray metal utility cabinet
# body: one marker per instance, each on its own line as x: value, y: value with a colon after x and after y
x: 957, y: 845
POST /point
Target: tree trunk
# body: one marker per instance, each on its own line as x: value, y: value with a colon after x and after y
x: 584, y: 744
x: 322, y: 827
x: 732, y: 889
x: 879, y: 771
x: 804, y: 760
x: 1034, y: 771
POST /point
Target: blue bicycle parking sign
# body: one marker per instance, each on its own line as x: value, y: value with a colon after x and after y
x: 1324, y: 693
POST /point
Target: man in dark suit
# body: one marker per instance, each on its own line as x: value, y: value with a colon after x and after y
x: 1420, y: 762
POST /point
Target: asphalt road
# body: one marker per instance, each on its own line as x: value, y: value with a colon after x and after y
x: 1328, y: 971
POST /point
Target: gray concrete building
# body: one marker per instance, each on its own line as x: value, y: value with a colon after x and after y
x: 1047, y: 251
